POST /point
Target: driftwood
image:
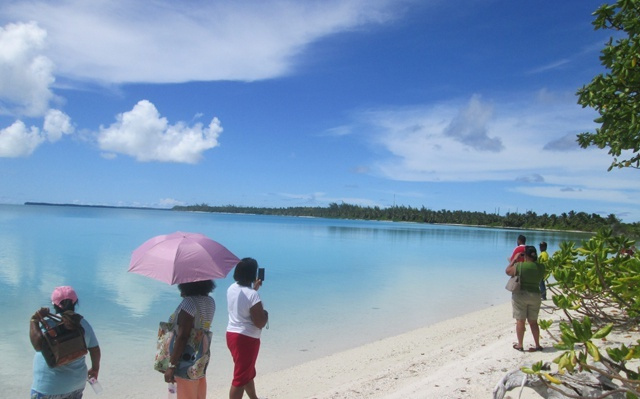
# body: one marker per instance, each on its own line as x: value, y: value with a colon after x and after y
x: 579, y: 384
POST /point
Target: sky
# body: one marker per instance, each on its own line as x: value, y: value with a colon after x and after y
x: 459, y: 105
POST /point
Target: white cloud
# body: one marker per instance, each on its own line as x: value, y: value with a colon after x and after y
x: 170, y: 202
x: 25, y: 74
x: 56, y: 124
x: 423, y: 147
x: 527, y: 140
x: 143, y: 134
x: 166, y: 41
x: 469, y: 127
x: 592, y: 194
x: 320, y: 198
x: 19, y: 141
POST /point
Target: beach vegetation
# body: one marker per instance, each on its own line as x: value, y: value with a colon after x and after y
x: 567, y: 221
x: 600, y: 279
x: 597, y: 287
x: 615, y: 94
x: 582, y: 359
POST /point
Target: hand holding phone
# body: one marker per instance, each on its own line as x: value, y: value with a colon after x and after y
x: 261, y: 274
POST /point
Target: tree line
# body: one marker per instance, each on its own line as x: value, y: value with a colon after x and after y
x: 576, y: 221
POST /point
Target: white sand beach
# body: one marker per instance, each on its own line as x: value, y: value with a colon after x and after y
x: 462, y: 357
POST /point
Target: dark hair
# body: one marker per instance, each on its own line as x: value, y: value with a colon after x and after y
x: 522, y: 239
x: 65, y: 304
x: 246, y: 271
x: 543, y: 246
x: 531, y: 252
x: 197, y: 288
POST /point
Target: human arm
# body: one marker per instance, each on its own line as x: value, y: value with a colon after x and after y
x: 259, y: 316
x: 35, y: 335
x: 94, y: 354
x: 185, y: 325
x: 512, y: 268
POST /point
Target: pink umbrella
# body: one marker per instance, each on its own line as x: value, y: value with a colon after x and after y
x: 182, y: 258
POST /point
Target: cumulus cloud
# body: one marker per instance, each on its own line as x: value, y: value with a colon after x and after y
x: 163, y: 41
x: 26, y: 74
x: 146, y: 136
x: 57, y: 124
x: 18, y: 140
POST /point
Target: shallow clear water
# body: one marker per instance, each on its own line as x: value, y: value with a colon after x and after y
x: 330, y: 284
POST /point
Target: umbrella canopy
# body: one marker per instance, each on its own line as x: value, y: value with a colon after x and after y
x: 182, y: 258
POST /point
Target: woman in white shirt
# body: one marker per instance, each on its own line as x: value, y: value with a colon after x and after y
x: 247, y: 317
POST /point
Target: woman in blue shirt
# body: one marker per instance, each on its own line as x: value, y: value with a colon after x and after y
x: 66, y: 381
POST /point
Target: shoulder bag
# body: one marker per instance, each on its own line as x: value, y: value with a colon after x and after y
x: 63, y: 338
x: 513, y: 284
x: 195, y: 358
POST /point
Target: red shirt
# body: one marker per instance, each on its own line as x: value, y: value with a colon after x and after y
x: 516, y: 252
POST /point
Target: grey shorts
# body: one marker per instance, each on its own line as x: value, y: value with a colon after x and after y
x: 526, y: 305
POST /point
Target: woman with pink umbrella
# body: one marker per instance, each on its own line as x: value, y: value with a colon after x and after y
x: 194, y: 312
x: 191, y: 260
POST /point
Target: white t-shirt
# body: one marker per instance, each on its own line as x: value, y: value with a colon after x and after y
x: 239, y: 300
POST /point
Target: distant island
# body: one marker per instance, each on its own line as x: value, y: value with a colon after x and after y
x: 570, y: 221
x: 97, y: 206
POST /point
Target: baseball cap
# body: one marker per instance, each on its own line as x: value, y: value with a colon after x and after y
x: 64, y: 292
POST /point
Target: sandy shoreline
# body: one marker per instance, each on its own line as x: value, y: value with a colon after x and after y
x: 463, y: 357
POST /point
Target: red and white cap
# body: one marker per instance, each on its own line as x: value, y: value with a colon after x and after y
x: 61, y: 293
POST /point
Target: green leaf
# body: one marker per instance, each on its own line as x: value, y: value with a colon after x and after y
x: 603, y: 332
x: 593, y: 351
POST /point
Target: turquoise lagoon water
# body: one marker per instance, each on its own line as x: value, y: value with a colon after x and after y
x: 330, y: 284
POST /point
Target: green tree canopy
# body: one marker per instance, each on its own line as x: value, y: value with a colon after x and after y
x: 615, y: 94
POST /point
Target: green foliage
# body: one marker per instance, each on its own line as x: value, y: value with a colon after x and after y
x: 615, y: 94
x: 599, y: 279
x: 574, y: 221
x: 580, y: 353
x: 597, y: 286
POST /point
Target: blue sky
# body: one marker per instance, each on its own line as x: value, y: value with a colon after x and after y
x: 465, y: 105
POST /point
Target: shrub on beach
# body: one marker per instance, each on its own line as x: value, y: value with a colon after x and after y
x: 597, y: 286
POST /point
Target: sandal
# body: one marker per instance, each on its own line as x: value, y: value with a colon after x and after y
x: 536, y: 349
x: 518, y: 348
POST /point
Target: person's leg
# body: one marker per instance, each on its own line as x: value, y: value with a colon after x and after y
x: 520, y: 329
x: 187, y: 389
x: 519, y: 309
x: 543, y: 290
x: 202, y: 388
x: 250, y: 389
x: 535, y: 331
x: 236, y: 392
x: 532, y: 316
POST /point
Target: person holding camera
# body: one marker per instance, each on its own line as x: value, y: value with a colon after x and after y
x: 247, y: 317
